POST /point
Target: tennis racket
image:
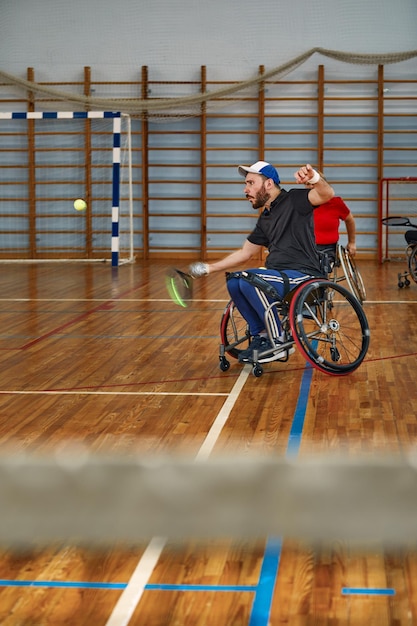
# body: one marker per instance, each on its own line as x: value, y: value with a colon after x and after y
x: 179, y: 286
x: 398, y: 220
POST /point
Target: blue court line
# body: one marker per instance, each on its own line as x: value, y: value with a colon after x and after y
x: 294, y: 440
x: 268, y: 573
x: 367, y: 591
x: 262, y: 603
x: 150, y: 587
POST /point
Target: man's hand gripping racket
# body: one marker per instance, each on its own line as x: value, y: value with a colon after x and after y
x: 180, y: 284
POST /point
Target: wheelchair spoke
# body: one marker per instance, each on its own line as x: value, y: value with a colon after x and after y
x: 234, y: 333
x: 336, y: 338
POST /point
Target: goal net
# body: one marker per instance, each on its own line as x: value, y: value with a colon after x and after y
x: 50, y: 159
x: 398, y: 198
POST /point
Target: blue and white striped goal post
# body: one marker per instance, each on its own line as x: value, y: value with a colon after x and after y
x: 116, y: 116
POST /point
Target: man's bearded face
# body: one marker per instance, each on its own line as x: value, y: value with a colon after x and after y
x: 260, y: 199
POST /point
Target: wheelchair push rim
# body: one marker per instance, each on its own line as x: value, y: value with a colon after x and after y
x: 329, y: 326
x: 234, y: 331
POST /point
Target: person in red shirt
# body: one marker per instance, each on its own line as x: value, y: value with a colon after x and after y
x: 327, y: 218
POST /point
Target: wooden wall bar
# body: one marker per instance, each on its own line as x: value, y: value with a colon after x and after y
x: 188, y: 198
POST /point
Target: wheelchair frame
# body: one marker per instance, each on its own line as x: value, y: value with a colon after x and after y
x: 410, y: 251
x: 351, y: 273
x: 323, y: 319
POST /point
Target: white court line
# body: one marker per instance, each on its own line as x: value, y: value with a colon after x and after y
x: 106, y: 300
x: 80, y: 392
x: 131, y: 595
x: 217, y: 426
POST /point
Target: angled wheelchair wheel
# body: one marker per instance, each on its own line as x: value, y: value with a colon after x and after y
x: 329, y: 326
x: 412, y: 263
x: 352, y: 274
x: 234, y: 331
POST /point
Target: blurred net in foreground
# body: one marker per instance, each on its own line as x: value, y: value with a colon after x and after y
x: 164, y: 99
x: 97, y: 501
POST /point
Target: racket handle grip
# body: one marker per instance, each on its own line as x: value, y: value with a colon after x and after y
x: 198, y: 269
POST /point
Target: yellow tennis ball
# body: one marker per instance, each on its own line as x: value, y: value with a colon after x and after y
x: 80, y: 204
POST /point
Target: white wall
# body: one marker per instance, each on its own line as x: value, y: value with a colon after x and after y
x: 174, y: 38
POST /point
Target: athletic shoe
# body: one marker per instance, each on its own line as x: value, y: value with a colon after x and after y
x: 262, y: 344
x: 258, y: 343
x: 276, y: 356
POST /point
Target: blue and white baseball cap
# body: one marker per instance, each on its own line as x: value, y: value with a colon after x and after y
x: 260, y: 167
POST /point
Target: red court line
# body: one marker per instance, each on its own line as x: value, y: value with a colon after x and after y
x: 103, y: 306
x: 205, y: 378
x: 147, y: 382
x: 60, y: 328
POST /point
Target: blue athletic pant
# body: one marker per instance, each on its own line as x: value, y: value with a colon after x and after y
x: 252, y: 302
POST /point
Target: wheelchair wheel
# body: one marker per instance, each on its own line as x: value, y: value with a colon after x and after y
x: 412, y: 264
x: 329, y: 326
x: 352, y: 274
x: 234, y: 331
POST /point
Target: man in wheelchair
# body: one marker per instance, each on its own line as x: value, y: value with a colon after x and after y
x: 285, y: 228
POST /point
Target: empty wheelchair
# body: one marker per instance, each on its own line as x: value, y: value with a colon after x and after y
x: 345, y: 268
x: 342, y: 267
x: 323, y: 319
x: 410, y: 251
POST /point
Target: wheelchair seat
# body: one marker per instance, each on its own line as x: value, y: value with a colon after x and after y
x: 411, y: 237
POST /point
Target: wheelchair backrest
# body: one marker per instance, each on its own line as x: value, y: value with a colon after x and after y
x: 411, y: 236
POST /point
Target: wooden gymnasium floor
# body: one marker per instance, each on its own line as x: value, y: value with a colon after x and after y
x: 98, y: 357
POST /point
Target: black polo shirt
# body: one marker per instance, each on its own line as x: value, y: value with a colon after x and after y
x: 287, y: 231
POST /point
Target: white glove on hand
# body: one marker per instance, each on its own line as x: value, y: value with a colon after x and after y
x: 198, y: 269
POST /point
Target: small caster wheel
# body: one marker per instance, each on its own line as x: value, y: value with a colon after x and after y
x: 257, y: 370
x: 224, y: 364
x: 407, y: 282
x: 400, y: 284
